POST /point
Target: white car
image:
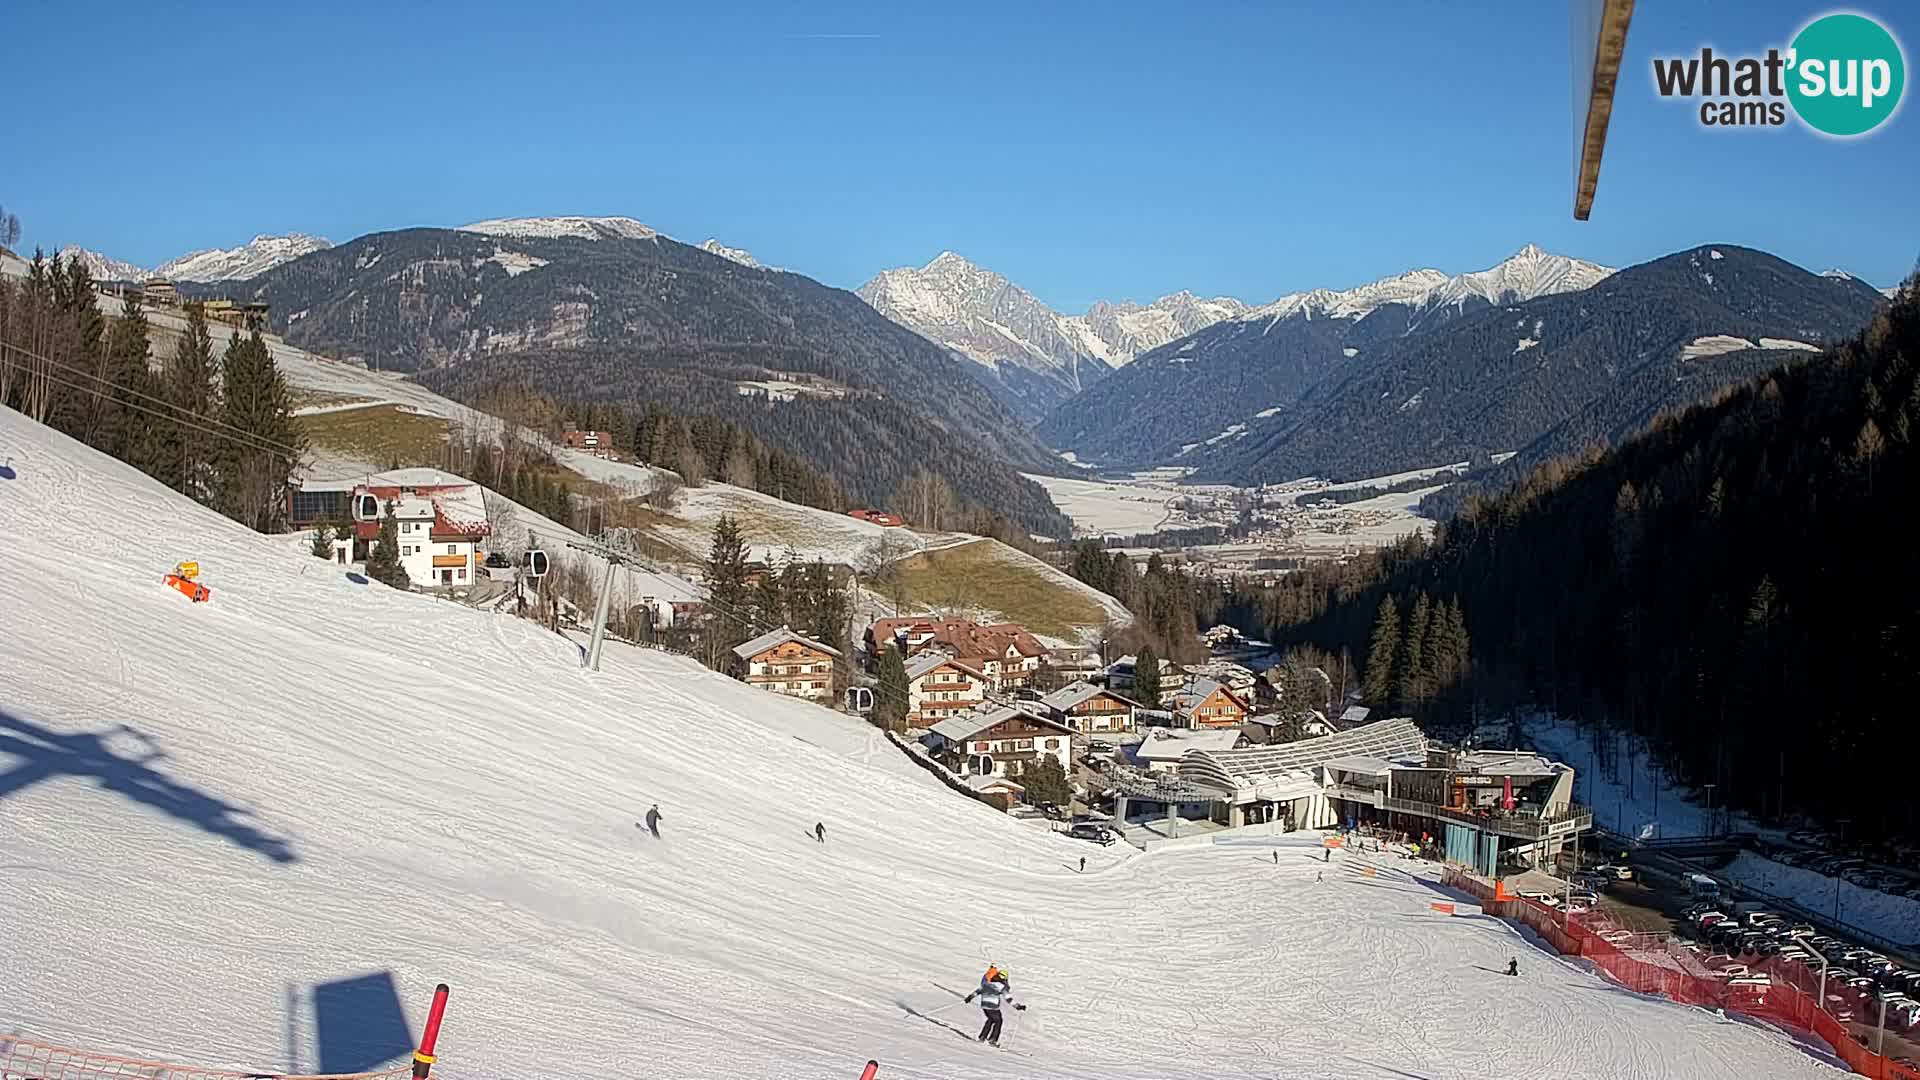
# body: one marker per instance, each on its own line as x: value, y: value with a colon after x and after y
x: 1617, y: 936
x: 1733, y: 971
x: 1616, y: 871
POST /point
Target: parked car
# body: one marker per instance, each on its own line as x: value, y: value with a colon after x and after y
x: 1616, y: 937
x: 497, y: 561
x: 1052, y: 812
x: 1732, y: 970
x: 1087, y: 830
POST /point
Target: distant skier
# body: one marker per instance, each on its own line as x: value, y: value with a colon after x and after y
x: 1276, y: 858
x: 994, y: 991
x: 1083, y: 864
x: 820, y: 831
x: 1326, y: 855
x: 1318, y: 878
x: 1513, y: 965
x: 653, y: 820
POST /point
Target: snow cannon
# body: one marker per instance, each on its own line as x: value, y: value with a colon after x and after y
x: 182, y: 580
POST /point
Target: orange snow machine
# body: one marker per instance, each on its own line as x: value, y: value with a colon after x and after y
x: 183, y: 581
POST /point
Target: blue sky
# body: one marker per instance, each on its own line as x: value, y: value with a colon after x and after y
x: 1119, y: 149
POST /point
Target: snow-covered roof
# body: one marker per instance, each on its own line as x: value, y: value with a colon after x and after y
x: 1230, y: 769
x: 1360, y: 763
x: 967, y: 725
x: 1517, y: 763
x: 1170, y: 744
x: 1076, y: 693
x: 990, y: 783
x: 1355, y: 714
x: 921, y: 663
x: 772, y: 638
x: 411, y: 508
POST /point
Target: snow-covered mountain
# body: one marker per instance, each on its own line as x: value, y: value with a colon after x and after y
x: 1119, y: 332
x: 1034, y: 355
x: 550, y: 228
x: 1529, y: 273
x: 989, y: 319
x: 105, y: 267
x: 731, y: 254
x: 255, y: 257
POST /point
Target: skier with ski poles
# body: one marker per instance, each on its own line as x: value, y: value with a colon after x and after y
x: 993, y: 993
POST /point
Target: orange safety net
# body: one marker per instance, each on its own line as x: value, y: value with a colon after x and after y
x: 24, y: 1059
x: 1782, y: 993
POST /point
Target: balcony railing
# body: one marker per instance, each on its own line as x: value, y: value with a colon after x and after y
x: 1522, y: 826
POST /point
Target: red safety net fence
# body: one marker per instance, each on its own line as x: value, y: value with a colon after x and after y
x: 22, y: 1059
x: 1780, y: 992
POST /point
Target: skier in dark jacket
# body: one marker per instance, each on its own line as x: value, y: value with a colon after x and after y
x: 993, y: 993
x: 820, y: 831
x: 1513, y: 965
x: 653, y: 819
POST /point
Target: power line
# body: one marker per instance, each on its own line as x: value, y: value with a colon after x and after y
x: 186, y: 414
x: 269, y: 448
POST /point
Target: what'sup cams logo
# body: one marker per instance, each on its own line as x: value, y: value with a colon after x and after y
x: 1842, y: 76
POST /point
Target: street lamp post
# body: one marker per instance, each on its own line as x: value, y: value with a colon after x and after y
x: 1710, y: 788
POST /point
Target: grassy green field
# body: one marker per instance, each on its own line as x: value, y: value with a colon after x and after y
x: 380, y: 434
x: 990, y: 576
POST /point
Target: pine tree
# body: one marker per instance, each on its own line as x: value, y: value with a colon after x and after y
x: 383, y: 562
x: 1146, y: 677
x: 1382, y: 654
x: 1046, y: 781
x: 890, y: 696
x: 126, y: 430
x: 322, y: 546
x: 258, y: 458
x: 829, y: 611
x: 1413, y: 677
x: 727, y: 594
x: 190, y: 386
x: 771, y: 599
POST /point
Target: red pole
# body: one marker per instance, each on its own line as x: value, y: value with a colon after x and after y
x: 872, y: 1070
x: 423, y: 1057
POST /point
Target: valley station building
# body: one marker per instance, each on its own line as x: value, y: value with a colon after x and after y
x: 1486, y: 809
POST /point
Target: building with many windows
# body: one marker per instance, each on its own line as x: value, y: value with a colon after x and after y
x: 785, y: 662
x: 938, y: 686
x: 1005, y: 741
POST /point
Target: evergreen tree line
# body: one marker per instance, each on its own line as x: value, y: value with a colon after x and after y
x: 800, y: 595
x: 1169, y: 606
x: 868, y: 442
x: 1416, y: 659
x: 1732, y: 589
x: 220, y: 431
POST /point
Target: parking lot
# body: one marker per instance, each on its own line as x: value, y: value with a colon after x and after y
x: 1744, y: 941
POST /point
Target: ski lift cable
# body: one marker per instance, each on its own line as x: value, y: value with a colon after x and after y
x: 185, y: 413
x: 249, y: 442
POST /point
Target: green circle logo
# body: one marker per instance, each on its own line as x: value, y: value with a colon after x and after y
x: 1847, y: 74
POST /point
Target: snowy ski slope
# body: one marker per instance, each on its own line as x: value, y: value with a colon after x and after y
x: 208, y: 810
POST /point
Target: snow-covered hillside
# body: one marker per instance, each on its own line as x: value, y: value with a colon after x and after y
x: 210, y: 812
x: 583, y: 228
x: 255, y: 257
x: 731, y: 254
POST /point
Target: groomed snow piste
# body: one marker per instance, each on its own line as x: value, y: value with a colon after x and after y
x: 208, y: 811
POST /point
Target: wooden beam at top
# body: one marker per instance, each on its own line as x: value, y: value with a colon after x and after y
x: 1608, y: 50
